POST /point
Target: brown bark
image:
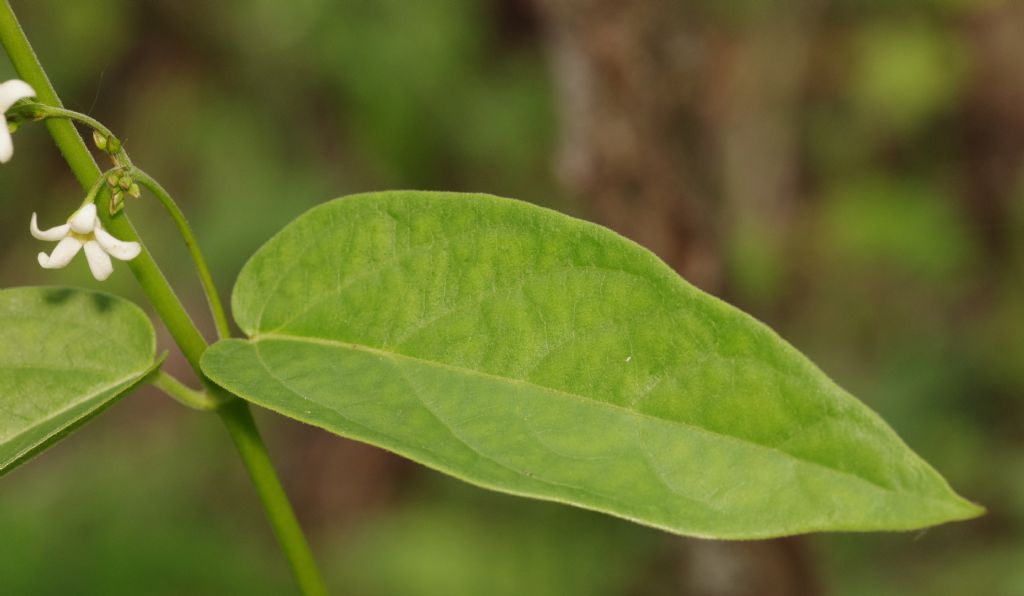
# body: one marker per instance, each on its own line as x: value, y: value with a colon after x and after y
x: 626, y: 74
x: 990, y: 124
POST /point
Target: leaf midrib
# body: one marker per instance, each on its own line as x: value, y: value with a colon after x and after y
x: 444, y: 424
x: 567, y: 394
x: 439, y: 466
x: 69, y: 406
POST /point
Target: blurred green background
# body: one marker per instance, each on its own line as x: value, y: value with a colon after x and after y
x: 855, y: 169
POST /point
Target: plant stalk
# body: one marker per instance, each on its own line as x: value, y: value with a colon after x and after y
x: 42, y: 111
x: 182, y: 393
x: 234, y: 413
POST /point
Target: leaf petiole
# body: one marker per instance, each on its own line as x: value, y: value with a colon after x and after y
x: 220, y: 318
x: 183, y: 394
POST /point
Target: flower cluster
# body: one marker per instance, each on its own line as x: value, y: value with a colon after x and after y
x: 83, y: 229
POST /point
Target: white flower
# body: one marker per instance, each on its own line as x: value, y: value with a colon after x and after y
x: 10, y: 92
x: 84, y: 230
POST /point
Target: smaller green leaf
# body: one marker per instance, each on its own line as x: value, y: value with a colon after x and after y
x: 65, y: 355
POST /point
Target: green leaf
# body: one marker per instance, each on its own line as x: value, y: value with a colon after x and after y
x: 532, y: 353
x: 65, y: 355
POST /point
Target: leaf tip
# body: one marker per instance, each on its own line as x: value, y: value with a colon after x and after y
x: 965, y: 509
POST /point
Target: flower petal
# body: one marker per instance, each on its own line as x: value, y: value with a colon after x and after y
x: 51, y: 235
x: 6, y: 144
x: 118, y: 249
x: 65, y: 251
x: 13, y: 90
x: 84, y: 220
x: 99, y: 262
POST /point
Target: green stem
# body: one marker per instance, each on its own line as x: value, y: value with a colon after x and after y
x: 96, y: 187
x: 41, y: 111
x: 183, y: 394
x: 220, y: 318
x: 238, y: 418
x: 235, y: 413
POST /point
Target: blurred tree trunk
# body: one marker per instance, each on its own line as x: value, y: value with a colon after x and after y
x: 627, y: 75
x: 651, y: 112
x: 990, y: 126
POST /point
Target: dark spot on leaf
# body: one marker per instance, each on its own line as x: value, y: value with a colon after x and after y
x: 57, y: 295
x: 103, y: 302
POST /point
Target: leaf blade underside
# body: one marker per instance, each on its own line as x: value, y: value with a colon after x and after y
x: 65, y: 355
x: 529, y: 352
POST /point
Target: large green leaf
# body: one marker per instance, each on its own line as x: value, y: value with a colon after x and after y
x: 65, y: 354
x: 529, y: 352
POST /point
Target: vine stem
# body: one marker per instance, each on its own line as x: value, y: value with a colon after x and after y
x: 234, y: 412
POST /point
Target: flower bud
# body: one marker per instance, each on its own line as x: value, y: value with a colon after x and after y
x: 116, y: 201
x: 100, y: 140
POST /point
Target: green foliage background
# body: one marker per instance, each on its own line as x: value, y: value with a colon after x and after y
x: 901, y: 277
